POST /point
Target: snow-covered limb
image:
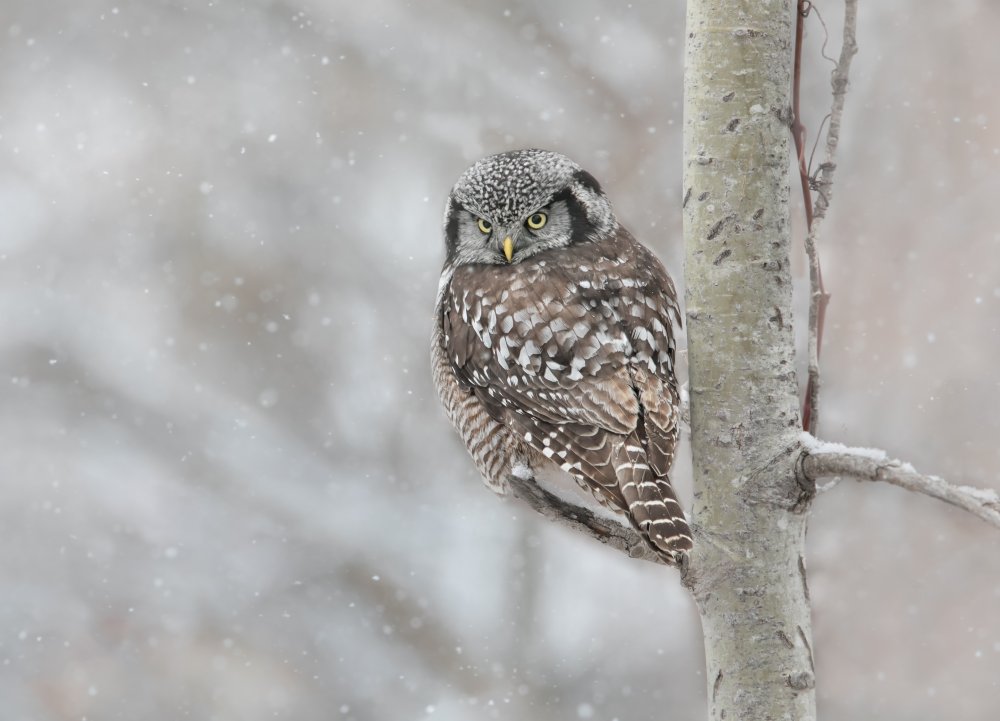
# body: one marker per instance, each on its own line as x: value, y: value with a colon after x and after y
x: 824, y: 460
x: 603, y: 527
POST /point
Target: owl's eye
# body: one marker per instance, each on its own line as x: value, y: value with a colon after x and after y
x: 537, y: 221
x: 485, y: 226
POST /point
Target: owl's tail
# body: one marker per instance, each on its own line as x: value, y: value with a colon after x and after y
x: 652, y: 504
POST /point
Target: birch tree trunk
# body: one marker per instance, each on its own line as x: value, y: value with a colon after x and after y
x: 747, y: 572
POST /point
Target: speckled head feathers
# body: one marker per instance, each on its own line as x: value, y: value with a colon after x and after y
x: 503, y: 190
x: 505, y: 186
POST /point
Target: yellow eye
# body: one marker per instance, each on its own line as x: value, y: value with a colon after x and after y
x: 485, y: 226
x: 537, y: 221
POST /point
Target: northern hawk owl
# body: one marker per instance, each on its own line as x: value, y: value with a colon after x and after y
x: 554, y: 339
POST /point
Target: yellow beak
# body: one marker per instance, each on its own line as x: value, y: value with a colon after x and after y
x: 508, y: 248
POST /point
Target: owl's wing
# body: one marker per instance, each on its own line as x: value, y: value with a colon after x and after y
x: 563, y: 419
x: 653, y: 316
x: 570, y: 364
x: 643, y: 477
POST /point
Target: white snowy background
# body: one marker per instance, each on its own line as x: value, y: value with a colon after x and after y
x: 226, y: 488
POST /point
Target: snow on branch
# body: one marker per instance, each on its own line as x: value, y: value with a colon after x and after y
x: 825, y: 460
x: 602, y: 526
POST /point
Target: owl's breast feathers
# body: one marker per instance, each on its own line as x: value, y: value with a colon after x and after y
x: 573, y: 350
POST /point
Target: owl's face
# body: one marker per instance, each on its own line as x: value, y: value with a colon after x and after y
x: 511, y: 206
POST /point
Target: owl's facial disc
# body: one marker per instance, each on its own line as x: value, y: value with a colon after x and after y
x: 509, y: 207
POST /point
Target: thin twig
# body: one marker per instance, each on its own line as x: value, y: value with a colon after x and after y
x: 864, y: 465
x: 826, y: 35
x: 818, y: 297
x: 838, y: 83
x: 819, y: 134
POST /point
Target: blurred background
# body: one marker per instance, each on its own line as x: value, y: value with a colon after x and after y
x: 226, y: 487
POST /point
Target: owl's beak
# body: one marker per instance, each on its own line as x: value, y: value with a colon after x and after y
x: 508, y: 248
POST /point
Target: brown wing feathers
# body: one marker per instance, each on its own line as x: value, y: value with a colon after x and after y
x: 575, y: 356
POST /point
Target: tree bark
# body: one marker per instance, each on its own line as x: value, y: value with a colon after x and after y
x: 747, y: 572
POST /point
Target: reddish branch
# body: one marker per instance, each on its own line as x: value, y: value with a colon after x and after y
x: 798, y: 129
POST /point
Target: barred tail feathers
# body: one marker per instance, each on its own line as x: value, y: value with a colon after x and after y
x: 651, y: 501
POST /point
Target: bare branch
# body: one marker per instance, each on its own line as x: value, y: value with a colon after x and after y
x: 609, y: 531
x: 826, y: 35
x: 823, y: 184
x: 863, y: 464
x: 838, y: 81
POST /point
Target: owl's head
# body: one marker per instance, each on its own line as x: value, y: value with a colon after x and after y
x: 511, y: 206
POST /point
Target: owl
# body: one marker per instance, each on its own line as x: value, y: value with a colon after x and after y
x: 554, y: 339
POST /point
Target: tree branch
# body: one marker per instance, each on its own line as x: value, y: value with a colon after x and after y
x: 608, y: 531
x: 838, y: 82
x: 825, y: 460
x: 823, y: 184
